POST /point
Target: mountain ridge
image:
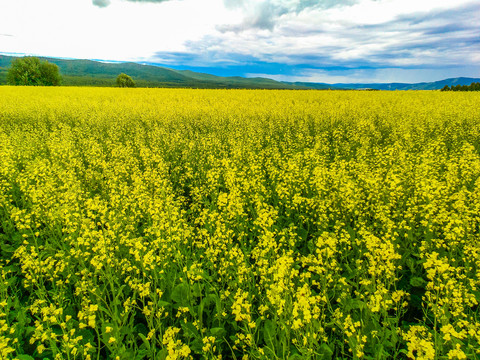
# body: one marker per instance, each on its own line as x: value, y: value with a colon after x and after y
x: 77, y: 72
x: 433, y: 85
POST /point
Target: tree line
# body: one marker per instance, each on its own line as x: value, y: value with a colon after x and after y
x: 32, y: 71
x: 472, y: 87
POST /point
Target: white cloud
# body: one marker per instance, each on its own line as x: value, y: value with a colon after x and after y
x: 315, y: 33
x: 122, y: 31
x: 382, y: 33
x: 101, y: 3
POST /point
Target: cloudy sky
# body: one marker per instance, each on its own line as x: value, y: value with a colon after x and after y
x: 293, y: 40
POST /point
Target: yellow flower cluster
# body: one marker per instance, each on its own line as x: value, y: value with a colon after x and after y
x: 175, y: 348
x: 420, y: 345
x: 179, y: 224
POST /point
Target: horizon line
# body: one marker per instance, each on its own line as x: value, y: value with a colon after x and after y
x: 159, y: 65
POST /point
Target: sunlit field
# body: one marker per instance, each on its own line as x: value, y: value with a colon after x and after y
x: 238, y: 224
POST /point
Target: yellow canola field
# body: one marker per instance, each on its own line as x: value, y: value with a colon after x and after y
x: 238, y: 224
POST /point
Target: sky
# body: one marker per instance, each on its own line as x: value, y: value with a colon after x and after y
x: 331, y: 41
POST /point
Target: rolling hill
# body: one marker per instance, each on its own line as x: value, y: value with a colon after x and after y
x: 435, y: 85
x: 416, y: 86
x: 96, y: 73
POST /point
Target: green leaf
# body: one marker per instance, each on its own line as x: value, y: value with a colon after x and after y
x: 196, y: 345
x: 141, y: 354
x: 325, y: 352
x: 295, y: 356
x: 210, y: 299
x: 218, y: 332
x: 145, y: 341
x: 7, y: 249
x: 87, y: 334
x: 410, y: 263
x: 180, y: 294
x: 353, y: 304
x: 350, y: 274
x: 302, y: 233
x: 164, y: 304
x: 21, y: 316
x: 141, y: 329
x: 269, y: 329
x: 417, y: 282
x: 197, y: 290
x: 25, y: 357
x: 162, y: 354
x: 117, y: 301
x: 190, y: 330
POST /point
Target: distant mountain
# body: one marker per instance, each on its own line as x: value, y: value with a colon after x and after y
x: 436, y: 85
x: 96, y: 73
x: 317, y: 86
x: 240, y: 82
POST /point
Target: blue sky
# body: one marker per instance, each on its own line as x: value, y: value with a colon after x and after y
x: 292, y: 40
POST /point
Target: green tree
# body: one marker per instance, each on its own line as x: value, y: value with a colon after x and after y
x: 50, y: 74
x: 471, y: 87
x: 123, y: 80
x: 33, y: 71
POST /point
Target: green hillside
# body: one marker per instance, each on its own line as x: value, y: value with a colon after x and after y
x: 3, y: 75
x: 238, y: 81
x: 95, y: 73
